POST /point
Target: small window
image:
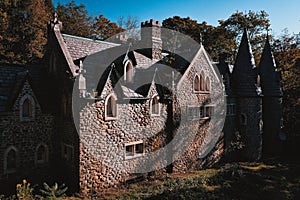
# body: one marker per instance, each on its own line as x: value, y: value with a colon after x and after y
x: 27, y: 107
x: 134, y: 150
x: 155, y: 106
x: 206, y: 111
x: 196, y: 83
x: 111, y: 107
x: 128, y: 72
x: 243, y: 119
x: 67, y: 152
x: 231, y: 110
x: 202, y: 82
x: 207, y: 84
x: 41, y: 154
x: 10, y: 160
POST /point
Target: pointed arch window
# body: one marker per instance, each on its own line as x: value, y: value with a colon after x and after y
x: 196, y: 83
x: 128, y: 72
x: 202, y: 81
x: 207, y: 84
x: 110, y: 107
x: 27, y: 108
x: 41, y: 154
x: 10, y: 160
x: 155, y: 106
x: 243, y: 119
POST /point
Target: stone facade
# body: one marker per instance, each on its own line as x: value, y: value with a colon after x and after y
x: 25, y: 141
x: 98, y: 135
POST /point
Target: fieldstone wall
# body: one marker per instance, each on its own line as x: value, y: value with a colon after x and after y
x: 103, y: 161
x: 25, y: 137
x: 201, y: 130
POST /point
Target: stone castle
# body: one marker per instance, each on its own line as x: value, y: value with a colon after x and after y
x: 60, y: 122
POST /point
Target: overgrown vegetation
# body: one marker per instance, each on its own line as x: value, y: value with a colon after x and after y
x: 275, y: 180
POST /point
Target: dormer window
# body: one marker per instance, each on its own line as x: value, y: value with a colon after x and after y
x: 128, y: 72
x: 110, y: 107
x: 27, y: 108
x: 196, y: 83
x: 155, y: 106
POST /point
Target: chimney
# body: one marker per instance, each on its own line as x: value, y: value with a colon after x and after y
x: 151, y: 39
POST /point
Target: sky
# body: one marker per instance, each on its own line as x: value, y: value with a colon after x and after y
x: 282, y: 13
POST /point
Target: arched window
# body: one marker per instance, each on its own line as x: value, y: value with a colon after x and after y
x: 202, y: 86
x: 41, y: 154
x: 27, y: 108
x: 10, y: 160
x: 128, y: 72
x: 243, y: 119
x: 110, y: 107
x: 196, y: 83
x: 155, y: 107
x: 207, y: 84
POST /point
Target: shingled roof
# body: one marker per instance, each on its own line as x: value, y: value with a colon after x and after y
x: 12, y: 78
x: 80, y: 47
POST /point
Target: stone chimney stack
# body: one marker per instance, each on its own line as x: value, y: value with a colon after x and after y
x: 151, y: 39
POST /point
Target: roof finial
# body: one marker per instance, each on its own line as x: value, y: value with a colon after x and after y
x: 200, y: 38
x: 245, y: 20
x: 55, y: 20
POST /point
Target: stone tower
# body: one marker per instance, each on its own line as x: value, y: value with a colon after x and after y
x: 151, y: 39
x: 271, y: 101
x: 248, y: 101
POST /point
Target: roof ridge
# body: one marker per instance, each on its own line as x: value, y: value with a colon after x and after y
x: 89, y: 39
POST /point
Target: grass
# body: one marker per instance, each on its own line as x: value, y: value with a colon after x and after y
x: 230, y: 181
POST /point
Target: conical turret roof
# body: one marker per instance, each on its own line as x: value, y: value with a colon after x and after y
x: 244, y: 75
x: 269, y: 77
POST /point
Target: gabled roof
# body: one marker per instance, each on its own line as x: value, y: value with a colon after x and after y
x: 12, y: 79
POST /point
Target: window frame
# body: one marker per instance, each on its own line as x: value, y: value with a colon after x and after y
x: 134, y: 149
x: 38, y: 162
x: 107, y: 117
x: 32, y: 107
x: 65, y: 156
x: 231, y: 109
x: 13, y: 170
x: 243, y: 119
x: 196, y: 86
x: 158, y: 105
x: 127, y: 64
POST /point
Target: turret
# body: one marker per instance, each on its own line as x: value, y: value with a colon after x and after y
x: 248, y: 102
x: 271, y: 102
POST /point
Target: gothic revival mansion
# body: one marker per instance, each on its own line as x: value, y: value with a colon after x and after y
x: 48, y: 135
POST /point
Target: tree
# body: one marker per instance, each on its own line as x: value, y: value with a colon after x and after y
x: 257, y: 23
x: 131, y: 25
x: 75, y: 19
x: 104, y: 29
x: 23, y: 30
x: 216, y: 40
x: 287, y: 56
